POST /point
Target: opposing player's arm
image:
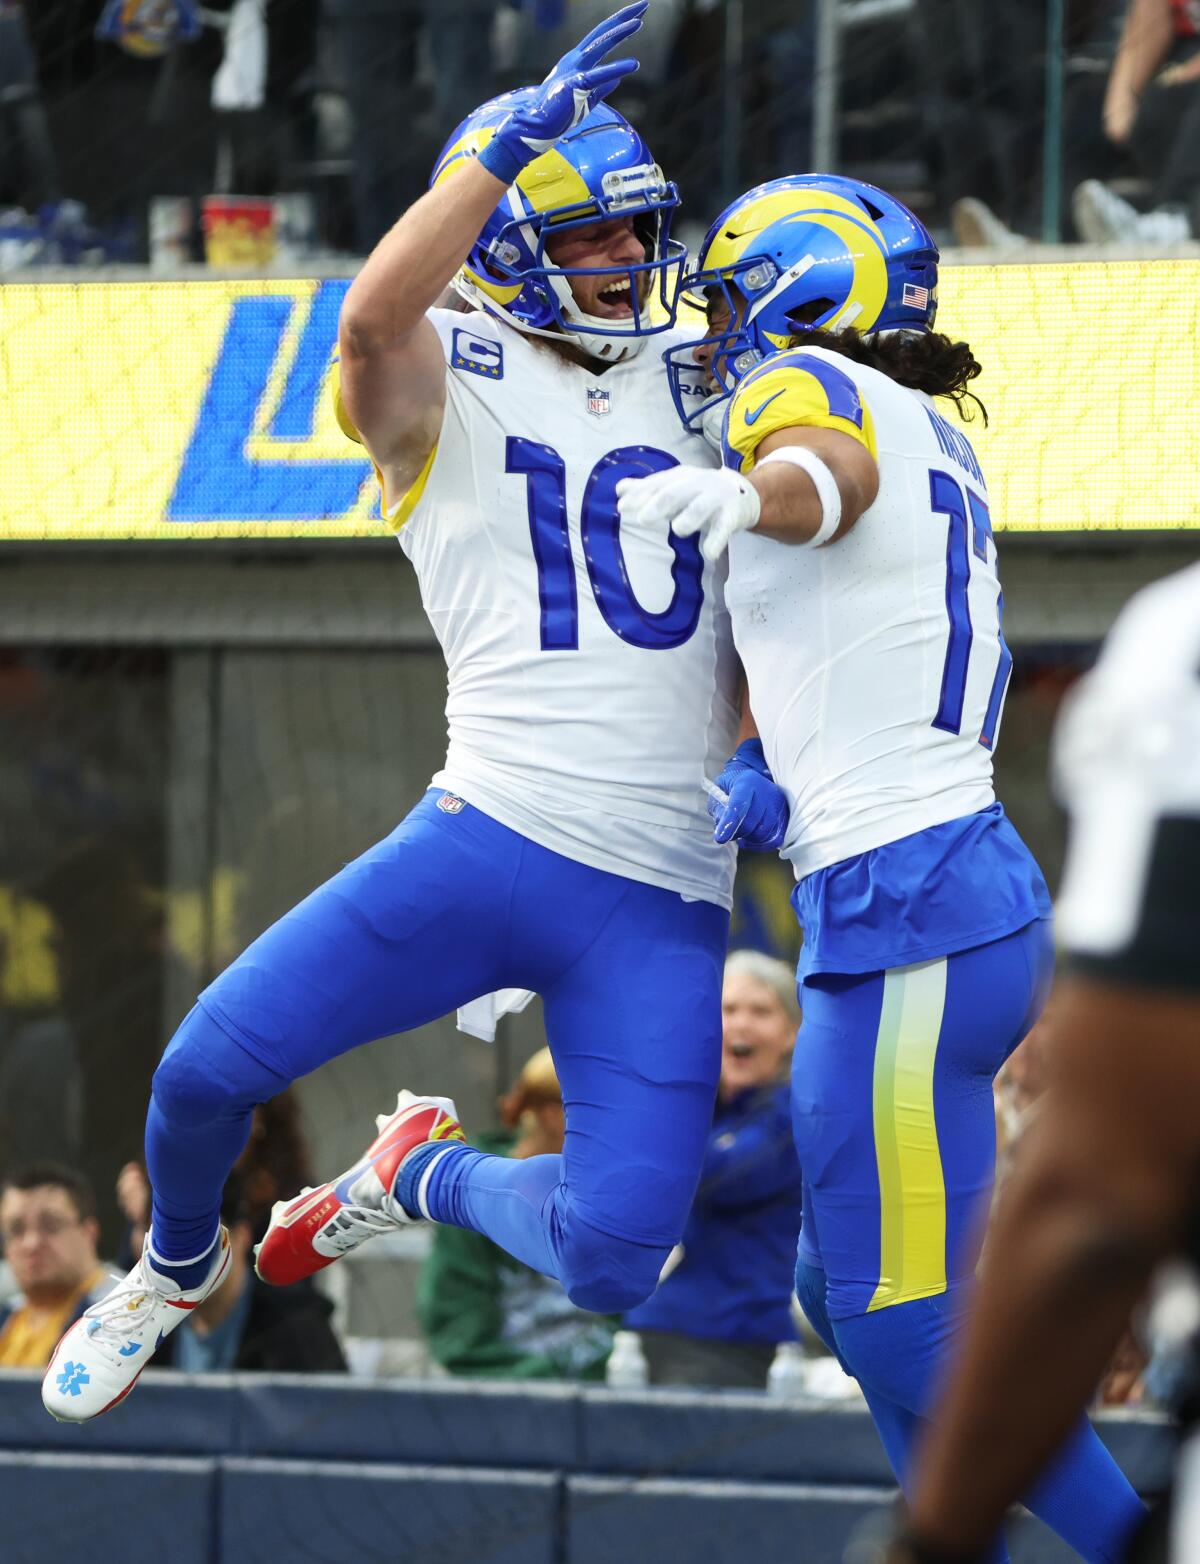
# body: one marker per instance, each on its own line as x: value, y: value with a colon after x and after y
x: 393, y: 371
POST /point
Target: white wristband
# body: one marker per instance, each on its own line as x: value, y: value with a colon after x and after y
x: 823, y: 481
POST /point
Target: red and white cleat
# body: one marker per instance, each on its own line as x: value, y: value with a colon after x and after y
x: 319, y: 1226
x: 98, y: 1360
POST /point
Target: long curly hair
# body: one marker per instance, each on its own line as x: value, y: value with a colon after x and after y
x: 923, y: 361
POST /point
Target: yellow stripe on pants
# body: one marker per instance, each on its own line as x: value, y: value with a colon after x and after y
x: 912, y: 1190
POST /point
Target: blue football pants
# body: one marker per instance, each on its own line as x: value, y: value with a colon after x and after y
x: 895, y: 1127
x: 448, y: 907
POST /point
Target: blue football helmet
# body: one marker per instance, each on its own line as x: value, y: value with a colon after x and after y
x: 796, y: 254
x: 602, y: 169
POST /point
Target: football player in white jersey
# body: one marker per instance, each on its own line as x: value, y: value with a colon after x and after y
x: 565, y: 847
x: 1108, y: 1188
x: 867, y: 611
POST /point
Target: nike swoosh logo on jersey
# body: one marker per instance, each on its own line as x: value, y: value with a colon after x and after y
x: 752, y: 418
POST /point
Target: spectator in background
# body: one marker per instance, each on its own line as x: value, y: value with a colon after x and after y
x: 982, y: 84
x: 111, y: 957
x: 249, y: 1326
x: 376, y: 45
x: 987, y: 121
x: 262, y: 92
x: 775, y: 77
x: 781, y: 38
x: 28, y: 167
x: 276, y: 1160
x: 49, y: 1229
x: 1152, y: 107
x: 460, y: 50
x: 483, y: 1312
x: 41, y: 1096
x: 723, y: 1304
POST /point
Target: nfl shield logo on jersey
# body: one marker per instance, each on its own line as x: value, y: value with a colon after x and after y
x: 449, y: 804
x: 599, y: 403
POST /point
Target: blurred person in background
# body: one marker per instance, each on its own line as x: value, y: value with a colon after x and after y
x: 248, y: 1326
x: 377, y: 46
x: 867, y: 609
x: 49, y: 1230
x: 983, y: 86
x: 276, y: 1159
x: 987, y: 123
x: 1152, y: 108
x: 262, y: 92
x: 1110, y: 1186
x: 41, y: 1091
x: 28, y: 166
x: 777, y: 59
x: 781, y: 45
x: 484, y: 1313
x: 724, y: 1303
x: 111, y: 957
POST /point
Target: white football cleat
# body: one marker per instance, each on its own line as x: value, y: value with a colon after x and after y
x: 98, y: 1360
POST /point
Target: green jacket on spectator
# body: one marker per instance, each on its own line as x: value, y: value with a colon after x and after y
x: 486, y: 1315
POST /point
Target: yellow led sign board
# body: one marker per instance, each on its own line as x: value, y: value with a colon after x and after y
x: 139, y: 410
x: 1091, y: 376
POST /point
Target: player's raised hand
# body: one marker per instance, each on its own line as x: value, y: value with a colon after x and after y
x: 544, y: 114
x: 716, y: 504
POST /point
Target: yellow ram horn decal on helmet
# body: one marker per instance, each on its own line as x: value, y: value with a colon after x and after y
x: 868, y: 290
x: 863, y: 242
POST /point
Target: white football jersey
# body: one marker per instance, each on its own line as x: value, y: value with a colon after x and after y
x: 592, y: 679
x: 876, y: 665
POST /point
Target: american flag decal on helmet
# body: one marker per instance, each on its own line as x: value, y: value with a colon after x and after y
x: 916, y: 296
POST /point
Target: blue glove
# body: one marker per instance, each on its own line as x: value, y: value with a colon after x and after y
x: 568, y: 95
x: 757, y: 810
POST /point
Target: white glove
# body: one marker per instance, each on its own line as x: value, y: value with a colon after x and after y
x: 692, y: 499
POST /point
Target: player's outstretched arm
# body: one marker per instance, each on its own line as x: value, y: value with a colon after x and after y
x: 798, y: 503
x: 392, y: 368
x: 810, y: 486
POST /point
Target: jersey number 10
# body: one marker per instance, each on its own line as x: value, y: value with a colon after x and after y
x: 968, y: 535
x: 545, y: 475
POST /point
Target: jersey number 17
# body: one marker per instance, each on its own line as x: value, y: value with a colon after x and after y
x: 970, y: 527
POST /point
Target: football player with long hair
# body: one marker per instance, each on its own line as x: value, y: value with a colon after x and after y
x: 564, y: 848
x: 1108, y: 1186
x: 867, y: 611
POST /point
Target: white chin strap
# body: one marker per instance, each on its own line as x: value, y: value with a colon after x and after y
x: 608, y: 349
x: 582, y: 328
x: 712, y: 423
